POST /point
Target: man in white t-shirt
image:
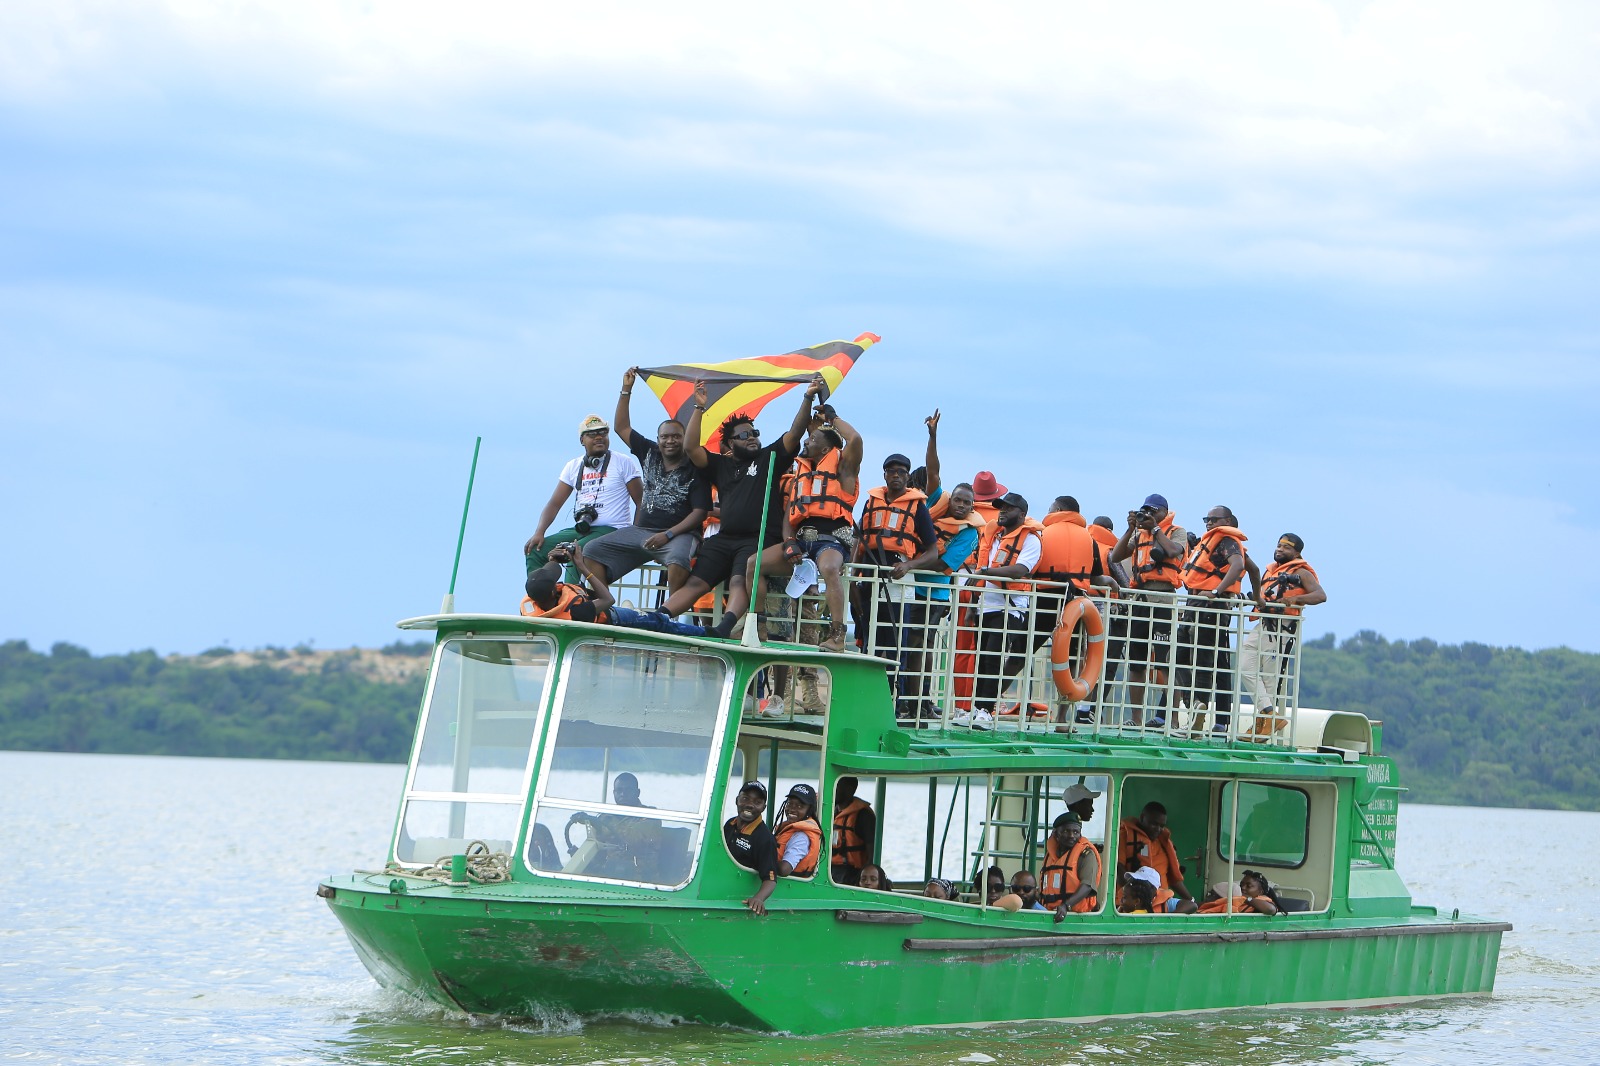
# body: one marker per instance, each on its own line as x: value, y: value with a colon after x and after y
x: 604, y: 487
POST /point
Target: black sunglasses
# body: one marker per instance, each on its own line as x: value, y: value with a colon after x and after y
x: 747, y: 434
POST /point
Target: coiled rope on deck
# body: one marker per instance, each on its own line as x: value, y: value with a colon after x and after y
x: 483, y: 866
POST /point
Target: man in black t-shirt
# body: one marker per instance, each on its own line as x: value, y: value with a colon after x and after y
x: 747, y: 476
x: 672, y: 507
x: 751, y: 843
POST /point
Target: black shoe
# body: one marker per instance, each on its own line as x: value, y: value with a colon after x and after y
x: 905, y: 709
x: 724, y: 626
x: 1084, y: 717
x: 930, y: 711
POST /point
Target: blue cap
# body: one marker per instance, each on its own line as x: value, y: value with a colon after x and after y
x: 897, y: 458
x: 1156, y: 500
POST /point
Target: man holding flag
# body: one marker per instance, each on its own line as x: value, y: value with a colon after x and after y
x: 747, y: 481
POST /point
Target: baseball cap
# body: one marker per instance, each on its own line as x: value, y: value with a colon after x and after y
x: 1013, y: 499
x: 592, y: 423
x: 1147, y: 875
x: 1156, y: 500
x: 1076, y: 793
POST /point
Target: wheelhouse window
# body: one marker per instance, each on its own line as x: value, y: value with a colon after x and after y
x: 637, y: 730
x: 1274, y: 822
x: 469, y: 771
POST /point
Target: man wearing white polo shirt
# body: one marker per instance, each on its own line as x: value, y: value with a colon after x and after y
x: 604, y: 487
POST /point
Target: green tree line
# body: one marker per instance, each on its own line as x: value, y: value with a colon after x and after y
x: 1466, y: 723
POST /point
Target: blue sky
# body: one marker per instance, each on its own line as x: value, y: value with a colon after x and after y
x: 265, y: 272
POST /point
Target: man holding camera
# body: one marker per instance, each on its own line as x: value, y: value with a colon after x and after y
x: 1157, y: 547
x: 607, y: 487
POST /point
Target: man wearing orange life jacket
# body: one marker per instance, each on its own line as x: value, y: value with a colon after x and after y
x: 1156, y: 546
x: 1069, y: 880
x: 956, y: 537
x: 895, y: 529
x: 1288, y: 585
x: 855, y: 830
x: 1212, y: 572
x: 550, y: 597
x: 1008, y: 550
x: 1070, y: 564
x: 818, y: 517
x: 1146, y: 841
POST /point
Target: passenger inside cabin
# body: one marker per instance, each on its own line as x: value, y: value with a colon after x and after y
x: 1256, y: 896
x: 873, y: 877
x: 1145, y: 841
x: 939, y: 888
x: 1142, y: 893
x: 1026, y: 888
x: 799, y: 835
x: 855, y: 830
x: 1070, y: 878
x: 751, y: 843
x: 542, y: 853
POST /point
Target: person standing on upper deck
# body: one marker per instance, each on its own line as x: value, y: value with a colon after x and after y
x: 1288, y: 585
x: 1211, y: 578
x: 608, y: 486
x: 1157, y: 546
x: 895, y: 529
x: 1009, y: 550
x: 672, y: 509
x: 746, y: 476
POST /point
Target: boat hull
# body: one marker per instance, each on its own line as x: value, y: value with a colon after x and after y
x: 822, y: 970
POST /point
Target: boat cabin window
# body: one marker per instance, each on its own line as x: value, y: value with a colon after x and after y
x: 1274, y: 822
x: 469, y: 771
x: 957, y: 828
x: 635, y: 730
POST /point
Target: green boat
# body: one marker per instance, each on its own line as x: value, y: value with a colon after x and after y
x: 597, y: 901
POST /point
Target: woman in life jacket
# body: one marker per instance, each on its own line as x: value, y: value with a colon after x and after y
x: 1256, y: 896
x: 799, y: 835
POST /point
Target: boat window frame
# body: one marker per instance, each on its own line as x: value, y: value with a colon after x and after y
x: 536, y: 796
x: 409, y: 792
x: 1305, y: 833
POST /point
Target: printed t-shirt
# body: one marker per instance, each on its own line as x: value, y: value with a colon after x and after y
x: 669, y: 495
x: 740, y: 487
x: 607, y: 491
x: 754, y: 848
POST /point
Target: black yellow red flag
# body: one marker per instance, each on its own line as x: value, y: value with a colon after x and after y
x: 747, y: 385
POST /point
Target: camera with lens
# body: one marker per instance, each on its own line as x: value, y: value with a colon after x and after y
x: 584, y: 518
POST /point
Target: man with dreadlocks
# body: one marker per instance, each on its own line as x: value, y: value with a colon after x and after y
x: 746, y: 477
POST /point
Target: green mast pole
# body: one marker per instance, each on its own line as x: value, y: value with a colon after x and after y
x: 449, y: 604
x: 752, y: 638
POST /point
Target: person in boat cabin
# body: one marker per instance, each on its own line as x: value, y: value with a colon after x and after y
x: 799, y: 836
x: 1213, y: 571
x: 939, y: 888
x: 672, y: 508
x: 1026, y: 887
x: 630, y: 846
x: 1079, y: 799
x: 608, y: 486
x: 873, y: 877
x: 747, y: 481
x: 1009, y: 551
x: 1256, y: 896
x: 752, y: 844
x: 1142, y: 893
x: 1070, y: 877
x: 855, y: 831
x: 1156, y: 547
x: 1288, y: 585
x: 550, y: 597
x: 895, y: 528
x: 1146, y: 841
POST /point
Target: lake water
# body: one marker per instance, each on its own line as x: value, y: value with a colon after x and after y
x: 162, y: 910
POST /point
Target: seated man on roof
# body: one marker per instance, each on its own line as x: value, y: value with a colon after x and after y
x: 608, y: 486
x: 550, y: 597
x: 1070, y: 877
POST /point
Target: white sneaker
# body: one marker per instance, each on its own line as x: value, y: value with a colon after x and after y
x: 773, y: 707
x: 974, y: 719
x: 752, y: 706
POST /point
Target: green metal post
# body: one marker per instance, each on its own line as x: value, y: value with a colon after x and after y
x: 752, y: 635
x: 449, y: 604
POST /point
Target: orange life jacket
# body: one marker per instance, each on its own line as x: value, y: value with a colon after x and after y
x: 1145, y: 568
x: 813, y: 832
x: 1282, y: 579
x: 569, y: 596
x: 946, y: 529
x: 1206, y: 566
x: 1009, y: 547
x: 1238, y: 905
x: 1058, y: 878
x: 1066, y: 550
x: 814, y: 490
x: 1159, y: 854
x: 891, y: 526
x: 849, y: 846
x: 1158, y: 904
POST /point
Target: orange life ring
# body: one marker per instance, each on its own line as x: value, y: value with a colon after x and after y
x: 1077, y: 686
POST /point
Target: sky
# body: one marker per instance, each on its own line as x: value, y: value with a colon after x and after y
x: 268, y: 270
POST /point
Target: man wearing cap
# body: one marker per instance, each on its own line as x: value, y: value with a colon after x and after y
x: 608, y: 487
x: 550, y: 597
x: 1069, y: 880
x: 895, y: 529
x: 1008, y: 550
x: 1080, y: 800
x: 1145, y: 841
x: 675, y: 501
x: 751, y: 843
x: 1288, y: 585
x: 1156, y: 546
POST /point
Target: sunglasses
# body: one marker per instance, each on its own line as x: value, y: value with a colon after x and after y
x: 746, y: 434
x: 1208, y: 520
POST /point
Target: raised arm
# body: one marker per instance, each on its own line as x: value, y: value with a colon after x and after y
x: 850, y: 455
x: 802, y: 417
x: 930, y: 458
x: 696, y: 453
x: 620, y: 422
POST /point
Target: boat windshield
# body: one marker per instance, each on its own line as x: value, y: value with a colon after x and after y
x: 636, y: 729
x: 469, y: 772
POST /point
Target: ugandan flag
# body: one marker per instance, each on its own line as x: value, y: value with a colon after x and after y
x: 747, y: 385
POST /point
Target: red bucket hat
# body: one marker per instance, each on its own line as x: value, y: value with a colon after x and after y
x: 985, y: 488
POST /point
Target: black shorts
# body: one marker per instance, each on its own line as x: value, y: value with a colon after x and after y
x: 1150, y: 623
x: 722, y: 557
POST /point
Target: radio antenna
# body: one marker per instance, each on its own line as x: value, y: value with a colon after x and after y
x: 449, y: 604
